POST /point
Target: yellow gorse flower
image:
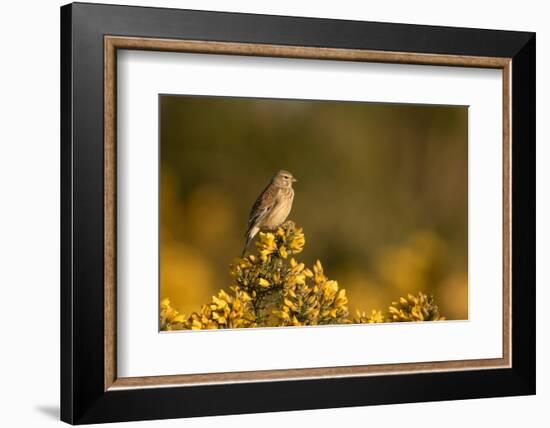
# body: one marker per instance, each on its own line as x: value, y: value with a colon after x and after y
x: 274, y: 289
x: 285, y: 241
x: 373, y: 318
x: 170, y: 319
x: 414, y: 308
x: 266, y: 245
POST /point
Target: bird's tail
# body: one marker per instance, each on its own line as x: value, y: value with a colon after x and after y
x: 248, y: 239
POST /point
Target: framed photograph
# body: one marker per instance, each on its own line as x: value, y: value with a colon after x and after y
x: 291, y: 213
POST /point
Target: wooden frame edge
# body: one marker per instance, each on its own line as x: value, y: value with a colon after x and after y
x: 112, y: 43
x: 109, y: 198
x: 299, y: 374
x: 507, y: 213
x: 301, y: 52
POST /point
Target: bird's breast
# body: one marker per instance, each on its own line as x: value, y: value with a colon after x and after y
x: 280, y: 210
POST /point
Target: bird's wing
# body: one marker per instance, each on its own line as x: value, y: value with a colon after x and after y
x: 262, y: 206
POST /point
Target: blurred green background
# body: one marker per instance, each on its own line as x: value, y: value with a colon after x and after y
x: 382, y: 194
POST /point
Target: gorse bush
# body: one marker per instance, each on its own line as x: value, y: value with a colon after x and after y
x: 271, y: 288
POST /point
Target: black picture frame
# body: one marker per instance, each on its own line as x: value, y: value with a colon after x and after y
x: 83, y: 397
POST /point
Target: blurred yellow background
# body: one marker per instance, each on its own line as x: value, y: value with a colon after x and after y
x: 382, y: 194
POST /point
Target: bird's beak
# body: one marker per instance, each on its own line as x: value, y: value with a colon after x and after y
x: 294, y: 180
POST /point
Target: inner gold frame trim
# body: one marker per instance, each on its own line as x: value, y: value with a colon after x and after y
x: 113, y: 43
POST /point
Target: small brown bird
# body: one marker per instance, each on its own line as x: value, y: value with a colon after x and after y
x: 272, y: 206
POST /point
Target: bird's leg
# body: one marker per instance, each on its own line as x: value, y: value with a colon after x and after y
x: 288, y: 225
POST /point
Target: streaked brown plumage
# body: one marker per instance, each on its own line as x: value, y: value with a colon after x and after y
x: 272, y: 206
